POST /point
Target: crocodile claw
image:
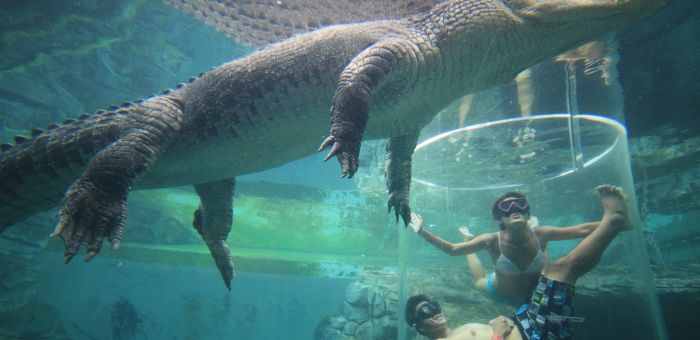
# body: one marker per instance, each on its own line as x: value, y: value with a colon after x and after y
x: 88, y: 214
x: 347, y: 153
x: 224, y: 261
x: 218, y: 248
x: 401, y: 208
x: 334, y: 150
x: 326, y: 142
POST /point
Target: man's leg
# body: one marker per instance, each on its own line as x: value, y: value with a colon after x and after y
x: 588, y: 252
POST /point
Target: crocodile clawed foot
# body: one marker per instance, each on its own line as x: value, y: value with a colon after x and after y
x: 347, y: 152
x: 87, y: 215
x: 401, y: 208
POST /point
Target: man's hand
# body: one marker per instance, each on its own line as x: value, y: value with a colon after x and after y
x: 501, y: 326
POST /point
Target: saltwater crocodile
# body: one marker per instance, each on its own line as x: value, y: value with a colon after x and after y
x: 385, y: 78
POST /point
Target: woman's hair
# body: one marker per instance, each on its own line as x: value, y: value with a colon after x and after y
x: 411, y: 304
x: 495, y: 212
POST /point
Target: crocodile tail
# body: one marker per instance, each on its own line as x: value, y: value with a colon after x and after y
x: 35, y: 172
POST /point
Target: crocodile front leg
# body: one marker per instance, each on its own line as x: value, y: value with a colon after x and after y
x: 351, y: 103
x: 397, y: 172
x: 213, y: 221
x: 95, y: 204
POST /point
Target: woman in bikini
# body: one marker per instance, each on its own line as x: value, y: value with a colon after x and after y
x: 518, y: 249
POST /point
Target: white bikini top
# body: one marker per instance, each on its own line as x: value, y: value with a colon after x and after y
x: 506, y: 266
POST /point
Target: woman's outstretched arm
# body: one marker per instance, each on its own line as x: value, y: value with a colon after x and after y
x: 462, y: 248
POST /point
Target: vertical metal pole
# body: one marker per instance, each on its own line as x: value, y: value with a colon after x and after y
x: 403, y: 247
x: 572, y: 110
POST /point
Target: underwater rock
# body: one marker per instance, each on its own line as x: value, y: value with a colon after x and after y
x: 365, y: 331
x: 126, y: 320
x: 324, y: 331
x: 358, y: 313
x: 377, y: 302
x: 356, y: 294
x: 376, y: 329
x: 372, y: 313
x: 337, y: 322
x: 661, y: 105
x: 665, y: 170
x: 660, y: 70
x: 350, y: 328
x: 32, y: 321
x: 19, y: 268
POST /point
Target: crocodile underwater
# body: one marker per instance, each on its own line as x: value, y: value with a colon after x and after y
x: 380, y: 79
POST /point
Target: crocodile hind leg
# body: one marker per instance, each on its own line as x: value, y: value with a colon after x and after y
x: 95, y: 204
x: 213, y: 221
x: 397, y: 173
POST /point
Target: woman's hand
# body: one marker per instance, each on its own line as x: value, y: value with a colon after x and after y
x: 416, y: 222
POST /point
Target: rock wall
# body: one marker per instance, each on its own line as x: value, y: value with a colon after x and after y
x: 660, y: 73
x: 369, y: 310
